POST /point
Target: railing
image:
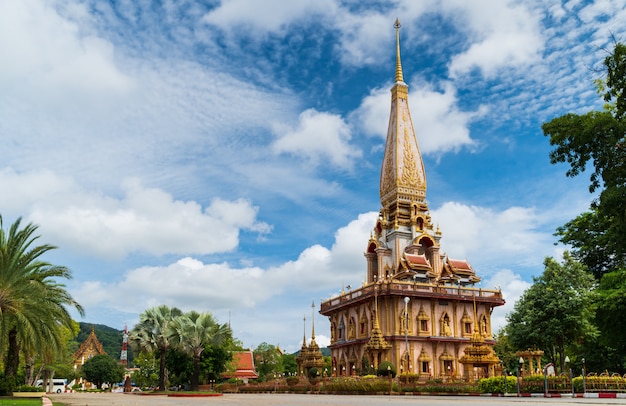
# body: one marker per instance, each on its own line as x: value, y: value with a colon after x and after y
x: 401, y: 288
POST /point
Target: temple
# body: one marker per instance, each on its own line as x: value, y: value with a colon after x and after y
x: 418, y: 308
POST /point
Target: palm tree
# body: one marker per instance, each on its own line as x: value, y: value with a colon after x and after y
x: 194, y: 331
x: 150, y: 334
x: 32, y: 302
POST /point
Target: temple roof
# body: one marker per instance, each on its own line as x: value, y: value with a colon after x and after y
x: 90, y: 347
x: 244, y: 365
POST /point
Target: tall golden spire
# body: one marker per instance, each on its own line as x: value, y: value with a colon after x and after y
x: 313, y: 320
x: 399, y: 77
x: 402, y: 176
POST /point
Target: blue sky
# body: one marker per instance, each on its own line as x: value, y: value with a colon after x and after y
x: 224, y: 156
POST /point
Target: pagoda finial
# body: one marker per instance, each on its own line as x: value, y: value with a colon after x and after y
x: 399, y: 77
x: 313, y: 320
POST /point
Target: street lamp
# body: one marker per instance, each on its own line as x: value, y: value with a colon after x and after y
x: 406, y: 330
x: 570, y: 374
x: 584, y: 383
x: 389, y: 375
x: 521, y: 365
x: 506, y: 382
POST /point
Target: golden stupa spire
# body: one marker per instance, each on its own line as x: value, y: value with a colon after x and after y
x: 402, y: 176
x: 313, y: 320
x: 399, y: 77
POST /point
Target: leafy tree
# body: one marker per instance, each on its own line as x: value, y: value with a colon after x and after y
x: 611, y: 307
x: 147, y: 372
x: 194, y: 331
x: 101, y: 369
x: 597, y: 138
x: 32, y: 301
x: 268, y: 360
x: 290, y: 366
x: 150, y: 334
x: 555, y: 312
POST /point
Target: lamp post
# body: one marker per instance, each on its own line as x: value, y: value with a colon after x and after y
x: 506, y: 382
x: 521, y: 365
x: 389, y: 375
x: 584, y: 382
x: 406, y: 329
x: 570, y: 374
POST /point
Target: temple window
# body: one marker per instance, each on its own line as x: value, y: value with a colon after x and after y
x: 341, y: 331
x: 425, y: 367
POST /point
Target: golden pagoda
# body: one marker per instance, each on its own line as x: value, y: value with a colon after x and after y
x: 310, y: 356
x: 418, y: 308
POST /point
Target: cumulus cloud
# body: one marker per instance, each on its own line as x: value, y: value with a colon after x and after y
x: 512, y: 286
x: 501, y: 34
x: 440, y: 125
x: 317, y: 136
x: 219, y: 286
x: 48, y: 51
x: 514, y: 234
x: 147, y: 220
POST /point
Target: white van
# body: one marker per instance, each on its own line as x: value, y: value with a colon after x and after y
x: 58, y: 385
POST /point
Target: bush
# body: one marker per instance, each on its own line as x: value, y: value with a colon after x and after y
x: 28, y: 388
x: 313, y: 372
x: 7, y: 386
x: 496, y: 384
x: 385, y: 368
x: 354, y: 384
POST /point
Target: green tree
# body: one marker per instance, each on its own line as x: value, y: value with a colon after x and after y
x: 192, y: 333
x: 597, y: 138
x: 150, y: 334
x: 101, y: 369
x: 33, y: 304
x: 268, y: 360
x: 611, y: 307
x: 147, y: 373
x: 555, y: 312
x: 290, y: 366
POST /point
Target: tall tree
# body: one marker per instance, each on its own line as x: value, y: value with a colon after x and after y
x: 150, y: 334
x: 555, y: 312
x: 597, y: 138
x: 194, y: 331
x: 33, y: 304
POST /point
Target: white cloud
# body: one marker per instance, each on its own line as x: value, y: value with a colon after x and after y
x: 48, y: 51
x: 439, y: 124
x: 268, y: 16
x: 221, y: 286
x: 512, y: 286
x: 144, y: 219
x: 318, y: 135
x: 511, y: 237
x: 501, y: 34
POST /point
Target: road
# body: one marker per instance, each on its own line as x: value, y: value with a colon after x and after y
x: 120, y: 399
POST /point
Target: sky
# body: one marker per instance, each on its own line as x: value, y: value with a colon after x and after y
x: 224, y: 155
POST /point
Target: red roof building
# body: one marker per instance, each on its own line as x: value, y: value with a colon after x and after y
x: 244, y: 369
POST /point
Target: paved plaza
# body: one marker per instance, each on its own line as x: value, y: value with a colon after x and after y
x: 120, y: 399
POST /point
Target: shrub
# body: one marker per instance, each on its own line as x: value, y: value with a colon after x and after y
x: 496, y: 384
x: 313, y: 372
x: 385, y: 368
x: 28, y: 388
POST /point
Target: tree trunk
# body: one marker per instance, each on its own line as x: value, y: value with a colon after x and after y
x: 162, y: 369
x: 195, y: 379
x: 13, y: 356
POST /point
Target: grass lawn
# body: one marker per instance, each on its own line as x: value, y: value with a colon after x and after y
x: 8, y: 401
